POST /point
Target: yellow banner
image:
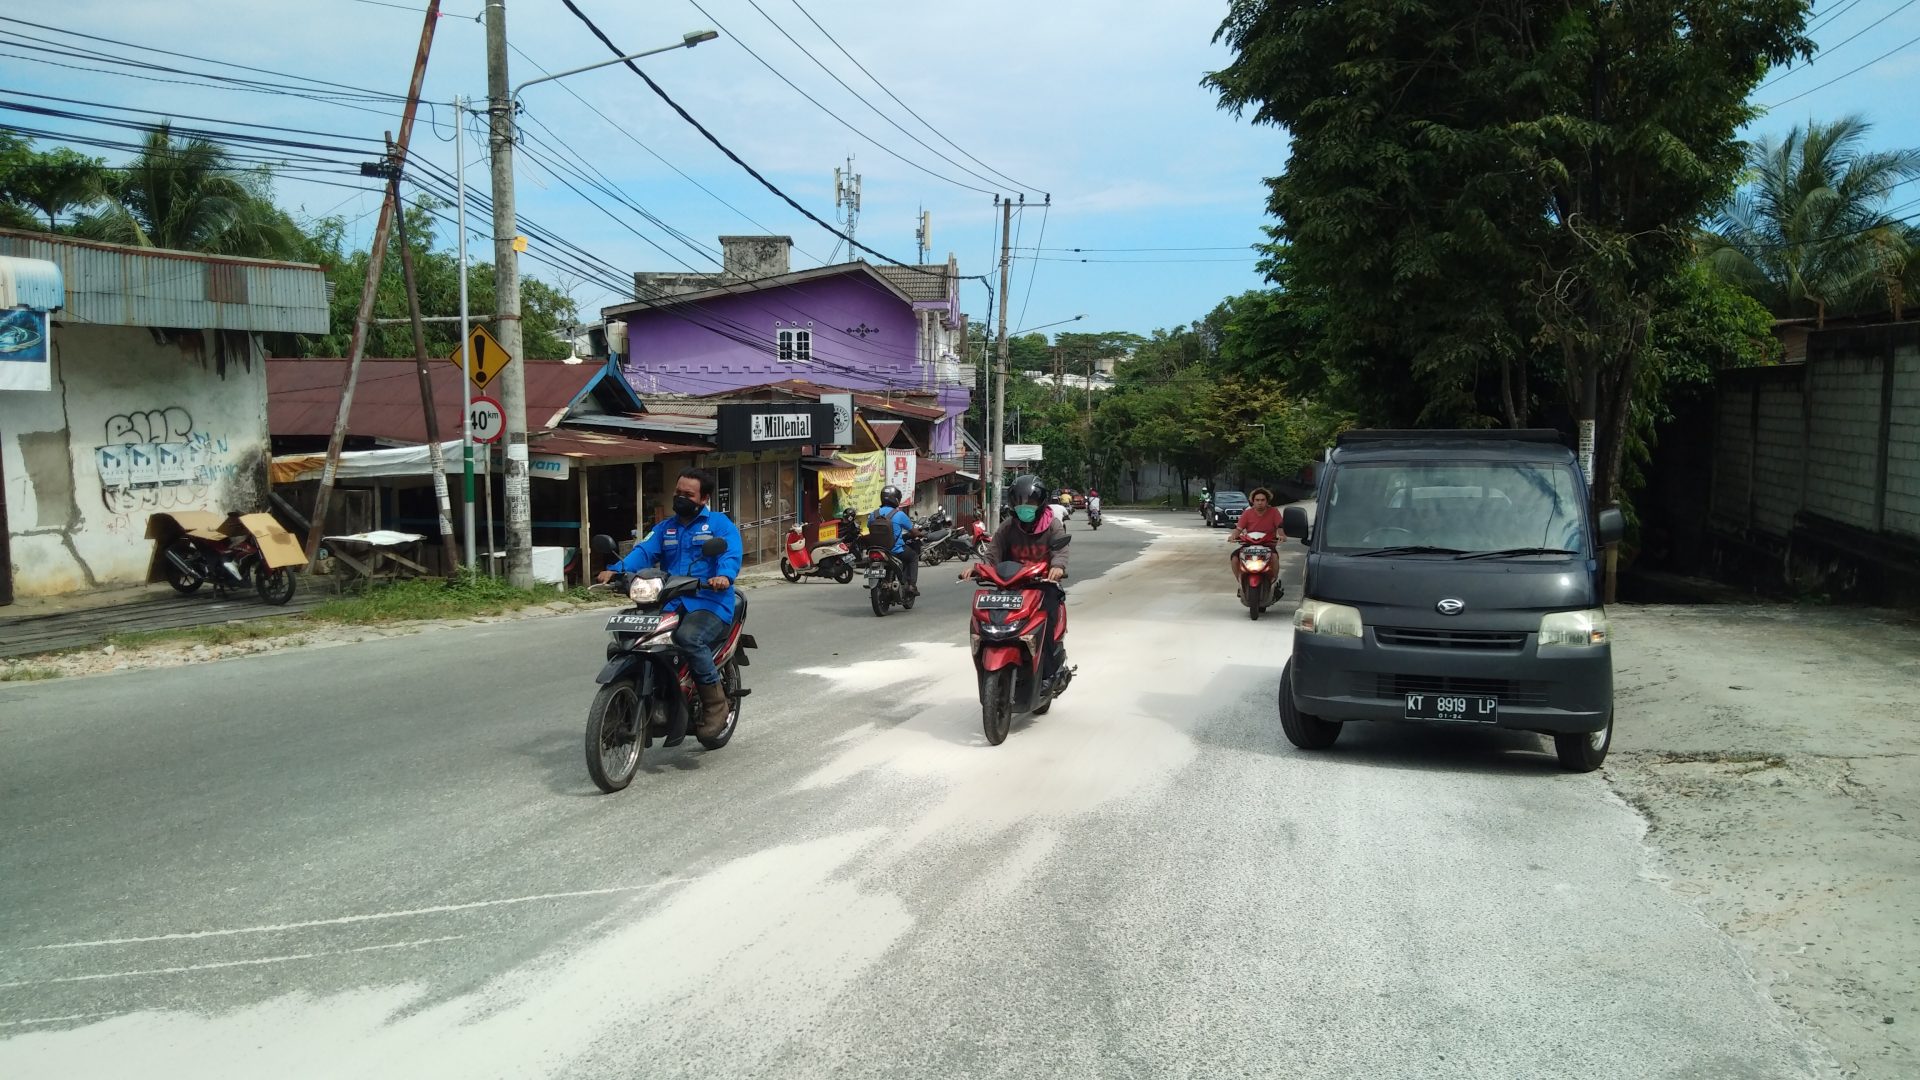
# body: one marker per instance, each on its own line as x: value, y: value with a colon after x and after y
x: 869, y: 476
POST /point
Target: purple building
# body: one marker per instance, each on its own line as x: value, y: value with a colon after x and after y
x: 882, y: 329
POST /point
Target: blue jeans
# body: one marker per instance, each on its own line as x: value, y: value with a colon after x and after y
x: 697, y: 635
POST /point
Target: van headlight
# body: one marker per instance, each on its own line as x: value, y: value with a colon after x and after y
x: 1333, y: 620
x: 1587, y: 627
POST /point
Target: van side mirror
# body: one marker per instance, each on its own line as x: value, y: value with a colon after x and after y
x: 602, y: 544
x: 1294, y: 520
x: 1611, y: 525
x: 713, y: 546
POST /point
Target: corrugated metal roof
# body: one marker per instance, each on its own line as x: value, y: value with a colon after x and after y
x: 608, y: 448
x: 30, y: 283
x: 303, y: 396
x: 119, y: 285
x: 801, y: 388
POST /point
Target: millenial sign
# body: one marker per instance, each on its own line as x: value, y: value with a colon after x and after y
x: 754, y: 428
x: 778, y: 427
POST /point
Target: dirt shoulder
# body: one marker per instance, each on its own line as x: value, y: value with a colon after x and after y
x: 1774, y: 751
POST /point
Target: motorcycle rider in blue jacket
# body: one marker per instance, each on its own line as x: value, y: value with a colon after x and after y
x: 908, y: 554
x: 707, y: 614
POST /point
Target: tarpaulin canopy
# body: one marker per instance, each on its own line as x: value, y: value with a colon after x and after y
x: 837, y: 477
x: 372, y: 464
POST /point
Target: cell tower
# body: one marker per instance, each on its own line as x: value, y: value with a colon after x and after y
x: 923, y: 235
x: 846, y: 201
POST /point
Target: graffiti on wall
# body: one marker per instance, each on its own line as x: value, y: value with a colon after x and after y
x: 155, y: 460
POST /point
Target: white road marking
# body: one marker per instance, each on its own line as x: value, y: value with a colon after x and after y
x: 185, y: 968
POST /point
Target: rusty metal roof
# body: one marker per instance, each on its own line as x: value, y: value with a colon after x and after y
x: 303, y: 396
x: 121, y: 285
x: 608, y: 449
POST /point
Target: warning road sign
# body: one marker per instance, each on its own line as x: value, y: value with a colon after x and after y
x: 488, y: 357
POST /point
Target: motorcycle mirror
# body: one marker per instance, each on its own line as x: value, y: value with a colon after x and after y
x: 603, y: 544
x: 713, y: 546
x: 1059, y: 542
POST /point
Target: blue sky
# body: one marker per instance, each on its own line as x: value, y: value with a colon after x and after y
x: 1095, y: 101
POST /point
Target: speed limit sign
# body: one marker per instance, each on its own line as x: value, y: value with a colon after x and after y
x: 486, y: 420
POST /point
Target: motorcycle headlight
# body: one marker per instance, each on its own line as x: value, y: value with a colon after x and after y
x: 644, y: 590
x: 1331, y: 620
x: 1255, y: 564
x: 1587, y: 627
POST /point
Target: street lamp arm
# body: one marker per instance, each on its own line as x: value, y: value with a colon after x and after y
x: 691, y: 39
x: 1043, y: 326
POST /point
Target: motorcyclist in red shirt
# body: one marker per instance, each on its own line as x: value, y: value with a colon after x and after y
x: 1261, y: 517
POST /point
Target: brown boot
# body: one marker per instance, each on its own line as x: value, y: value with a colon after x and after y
x: 716, y: 707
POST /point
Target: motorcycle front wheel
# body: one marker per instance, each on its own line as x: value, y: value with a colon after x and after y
x: 186, y: 580
x: 614, y: 736
x: 275, y: 586
x: 787, y: 571
x: 996, y: 705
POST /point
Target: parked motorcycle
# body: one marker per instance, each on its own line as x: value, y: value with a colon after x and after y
x: 1255, y: 565
x: 937, y: 530
x: 886, y: 581
x: 968, y: 543
x: 1005, y: 632
x: 646, y: 688
x: 831, y: 559
x: 224, y: 554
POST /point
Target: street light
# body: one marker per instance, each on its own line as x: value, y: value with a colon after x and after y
x: 1043, y: 326
x: 687, y: 41
x: 501, y: 103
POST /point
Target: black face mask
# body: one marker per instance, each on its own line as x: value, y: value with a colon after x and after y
x: 686, y: 509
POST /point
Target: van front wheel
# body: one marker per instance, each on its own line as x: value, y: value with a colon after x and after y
x: 1584, y: 751
x: 1303, y: 730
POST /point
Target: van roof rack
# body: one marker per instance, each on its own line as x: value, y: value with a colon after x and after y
x: 1362, y: 436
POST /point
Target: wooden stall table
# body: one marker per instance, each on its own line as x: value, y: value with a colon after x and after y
x: 380, y: 555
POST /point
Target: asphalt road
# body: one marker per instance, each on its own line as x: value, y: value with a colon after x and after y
x: 386, y: 859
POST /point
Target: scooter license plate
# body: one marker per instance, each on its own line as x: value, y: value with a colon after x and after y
x: 999, y: 601
x: 633, y: 624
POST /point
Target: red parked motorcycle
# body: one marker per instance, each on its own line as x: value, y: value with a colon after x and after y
x: 830, y: 559
x: 197, y: 548
x: 1257, y: 568
x: 1011, y: 639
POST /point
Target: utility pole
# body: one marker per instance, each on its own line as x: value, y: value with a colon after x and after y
x: 363, y: 317
x: 506, y: 300
x: 997, y: 434
x: 432, y: 417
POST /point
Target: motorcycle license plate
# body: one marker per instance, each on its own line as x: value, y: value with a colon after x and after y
x: 633, y: 624
x: 999, y: 601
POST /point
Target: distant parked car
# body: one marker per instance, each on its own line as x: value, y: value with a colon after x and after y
x: 1225, y: 509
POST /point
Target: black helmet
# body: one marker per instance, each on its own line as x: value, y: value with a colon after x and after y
x: 889, y: 496
x: 1027, y: 491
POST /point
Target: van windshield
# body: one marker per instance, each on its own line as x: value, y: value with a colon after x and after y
x: 1473, y: 506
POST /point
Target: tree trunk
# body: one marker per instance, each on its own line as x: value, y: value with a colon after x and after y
x: 1506, y: 391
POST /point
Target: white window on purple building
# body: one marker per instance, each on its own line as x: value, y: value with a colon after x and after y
x: 796, y: 346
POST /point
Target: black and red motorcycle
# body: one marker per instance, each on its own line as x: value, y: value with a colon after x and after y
x: 226, y: 562
x: 647, y: 690
x: 1011, y: 640
x: 1258, y: 570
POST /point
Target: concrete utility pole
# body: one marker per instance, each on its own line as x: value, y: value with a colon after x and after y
x: 997, y: 435
x: 506, y: 301
x: 389, y: 205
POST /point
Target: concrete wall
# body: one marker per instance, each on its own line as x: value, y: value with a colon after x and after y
x: 132, y: 426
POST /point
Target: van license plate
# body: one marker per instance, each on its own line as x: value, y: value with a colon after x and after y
x: 1458, y: 708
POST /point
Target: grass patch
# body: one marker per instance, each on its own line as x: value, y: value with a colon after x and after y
x: 28, y: 674
x: 432, y: 598
x: 232, y: 633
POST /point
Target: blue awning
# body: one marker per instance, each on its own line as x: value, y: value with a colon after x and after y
x: 31, y: 283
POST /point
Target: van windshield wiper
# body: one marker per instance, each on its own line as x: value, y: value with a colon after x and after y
x: 1504, y: 552
x: 1409, y: 549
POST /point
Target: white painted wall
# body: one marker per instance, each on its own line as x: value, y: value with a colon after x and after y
x: 131, y: 427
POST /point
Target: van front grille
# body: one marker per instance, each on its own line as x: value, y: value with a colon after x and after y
x: 1484, y: 640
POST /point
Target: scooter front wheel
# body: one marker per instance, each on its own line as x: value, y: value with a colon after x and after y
x: 787, y: 571
x: 614, y: 735
x: 996, y: 705
x: 843, y: 571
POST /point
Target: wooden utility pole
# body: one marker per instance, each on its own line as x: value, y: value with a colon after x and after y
x: 997, y: 435
x: 450, y: 550
x: 362, y: 318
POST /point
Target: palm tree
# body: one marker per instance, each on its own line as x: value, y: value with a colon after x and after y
x: 1810, y: 234
x: 188, y: 195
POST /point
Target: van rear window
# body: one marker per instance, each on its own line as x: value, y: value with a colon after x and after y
x: 1471, y: 506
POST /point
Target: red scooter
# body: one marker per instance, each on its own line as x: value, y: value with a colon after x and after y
x: 1011, y: 639
x: 1256, y: 567
x: 831, y: 559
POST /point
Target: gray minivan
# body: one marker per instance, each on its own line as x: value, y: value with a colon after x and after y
x: 1453, y: 577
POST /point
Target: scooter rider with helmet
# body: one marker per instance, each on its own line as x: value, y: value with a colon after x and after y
x: 908, y: 554
x: 1035, y: 533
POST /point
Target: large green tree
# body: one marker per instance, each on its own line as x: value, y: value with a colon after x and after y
x: 42, y: 186
x: 188, y: 194
x: 1809, y: 233
x: 1476, y: 182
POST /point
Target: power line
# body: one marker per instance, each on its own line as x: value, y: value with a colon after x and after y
x: 1855, y: 71
x: 189, y: 116
x: 909, y: 108
x: 1234, y: 247
x: 843, y: 121
x: 1832, y: 48
x: 1834, y: 14
x: 876, y: 110
x: 723, y: 148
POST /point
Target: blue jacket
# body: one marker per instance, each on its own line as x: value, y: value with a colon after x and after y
x: 674, y: 546
x: 901, y: 523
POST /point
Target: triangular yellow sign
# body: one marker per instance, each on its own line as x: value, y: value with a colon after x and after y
x: 489, y: 359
